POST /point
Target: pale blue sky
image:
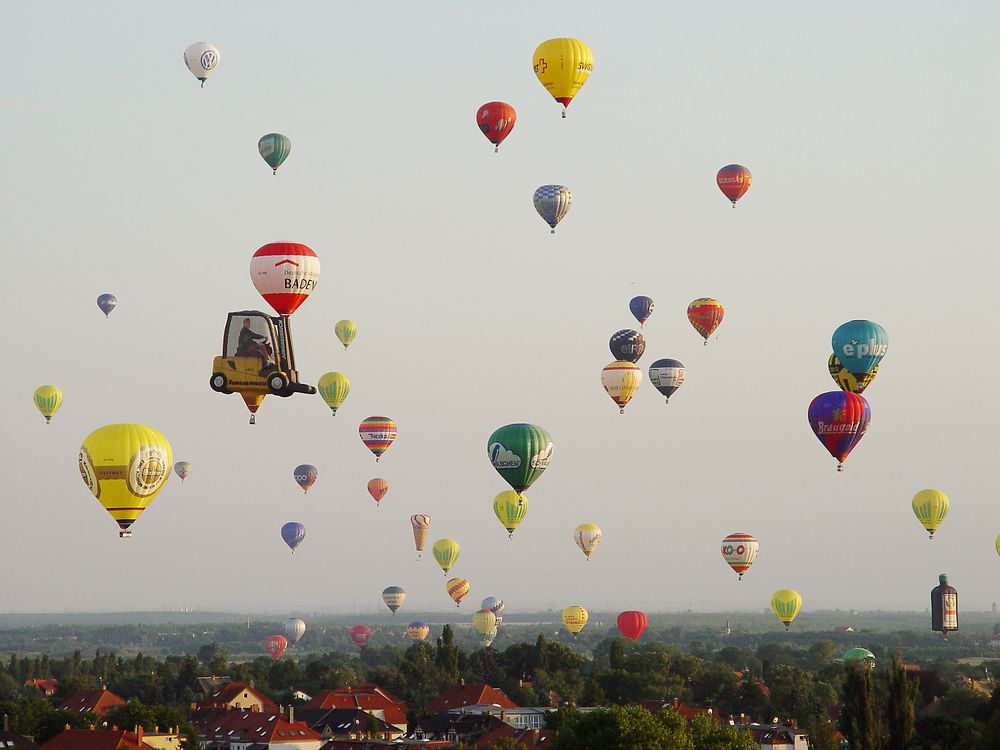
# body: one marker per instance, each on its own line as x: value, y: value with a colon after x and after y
x: 870, y: 129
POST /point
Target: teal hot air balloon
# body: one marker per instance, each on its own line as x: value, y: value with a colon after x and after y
x: 860, y: 346
x: 519, y: 453
x: 274, y: 149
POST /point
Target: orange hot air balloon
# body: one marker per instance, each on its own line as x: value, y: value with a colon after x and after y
x: 458, y: 589
x: 377, y: 489
x: 733, y: 180
x: 705, y: 315
x: 496, y: 120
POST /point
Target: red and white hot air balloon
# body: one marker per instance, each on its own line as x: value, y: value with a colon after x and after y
x: 285, y: 274
x: 276, y: 645
x: 360, y: 634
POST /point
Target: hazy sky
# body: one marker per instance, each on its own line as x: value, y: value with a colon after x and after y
x: 871, y: 132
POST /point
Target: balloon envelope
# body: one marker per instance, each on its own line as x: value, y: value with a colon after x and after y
x: 293, y: 628
x: 421, y: 523
x: 445, y: 552
x: 575, y: 618
x: 641, y: 308
x: 786, y: 605
x: 276, y: 645
x: 417, y: 631
x: 860, y: 346
x: 285, y: 274
x: 346, y: 330
x: 839, y: 420
x: 274, y: 149
x: 47, y: 400
x: 846, y: 380
x: 333, y: 388
x: 458, y: 589
x: 484, y: 621
x: 510, y: 508
x: 552, y: 202
x: 621, y: 380
x: 931, y: 508
x: 496, y: 606
x: 705, y: 315
x: 107, y: 303
x: 733, y: 180
x: 666, y: 376
x: 739, y: 550
x: 293, y: 533
x: 202, y: 59
x: 377, y: 488
x: 632, y: 624
x: 562, y: 66
x: 393, y: 597
x: 305, y: 476
x: 587, y: 536
x: 496, y: 120
x: 627, y: 345
x: 183, y: 469
x: 520, y: 453
x: 377, y: 433
x: 859, y: 655
x: 360, y: 634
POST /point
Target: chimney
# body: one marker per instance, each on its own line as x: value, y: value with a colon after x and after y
x: 6, y: 723
x: 291, y: 713
x: 677, y: 702
x: 138, y: 734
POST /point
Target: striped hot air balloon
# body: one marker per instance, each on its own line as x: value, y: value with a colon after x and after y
x: 377, y: 433
x: 333, y: 388
x: 274, y: 148
x: 47, y: 400
x: 285, y: 274
x: 510, y: 508
x: 445, y: 552
x: 458, y: 589
x: 552, y: 202
x: 421, y: 523
x: 786, y: 605
x: 705, y: 315
x: 393, y: 597
x: 621, y: 380
x: 739, y: 550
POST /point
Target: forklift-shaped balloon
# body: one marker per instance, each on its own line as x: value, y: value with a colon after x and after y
x: 257, y: 353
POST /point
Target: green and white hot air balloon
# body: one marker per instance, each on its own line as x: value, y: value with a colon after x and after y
x: 274, y: 149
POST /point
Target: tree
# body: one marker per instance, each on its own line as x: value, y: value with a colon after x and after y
x: 901, y: 694
x: 447, y: 654
x: 707, y: 734
x: 859, y: 720
x: 623, y: 728
x: 822, y: 733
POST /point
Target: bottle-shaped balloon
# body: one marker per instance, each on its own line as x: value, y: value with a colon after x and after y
x: 360, y: 634
x: 786, y: 605
x: 520, y: 453
x: 346, y: 330
x: 107, y: 303
x: 944, y: 607
x: 293, y: 533
x: 393, y: 597
x: 632, y: 624
x: 860, y: 346
x: 562, y: 67
x: 587, y: 536
x: 47, y: 400
x: 666, y: 376
x: 183, y: 469
x: 510, y: 508
x: 705, y: 315
x: 458, y: 589
x: 445, y: 553
x: 333, y: 389
x: 125, y: 466
x: 421, y: 523
x: 552, y: 202
x: 575, y: 619
x: 285, y: 274
x: 621, y: 380
x: 496, y: 120
x: 305, y: 476
x: 931, y: 508
x: 839, y: 420
x: 377, y: 488
x: 739, y: 550
x: 733, y: 180
x: 202, y: 59
x: 274, y: 148
x: 377, y: 433
x: 641, y: 308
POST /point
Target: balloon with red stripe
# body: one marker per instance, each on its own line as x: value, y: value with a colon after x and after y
x: 739, y: 550
x: 377, y: 433
x: 285, y: 274
x: 839, y: 420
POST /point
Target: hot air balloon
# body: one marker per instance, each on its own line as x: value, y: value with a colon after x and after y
x: 839, y: 420
x: 641, y: 308
x: 666, y: 375
x: 274, y: 149
x: 305, y: 476
x: 201, y: 59
x: 107, y: 303
x: 377, y: 433
x: 346, y: 330
x: 276, y: 645
x: 861, y: 656
x: 860, y: 346
x: 786, y: 605
x: 705, y: 315
x: 253, y: 402
x: 377, y: 488
x: 931, y: 508
x: 621, y: 380
x: 333, y: 388
x: 944, y: 607
x: 510, y: 508
x: 733, y: 180
x: 445, y: 553
x: 393, y: 597
x: 846, y: 380
x: 293, y: 533
x: 587, y: 536
x: 484, y: 621
x: 417, y: 631
x: 552, y: 203
x: 496, y: 120
x: 47, y: 400
x: 285, y: 274
x: 496, y: 606
x: 125, y: 466
x: 458, y: 589
x: 627, y: 345
x: 183, y: 469
x: 562, y: 67
x: 739, y: 550
x: 360, y: 634
x: 421, y: 523
x: 632, y: 624
x: 575, y: 618
x: 486, y: 638
x: 520, y: 453
x: 294, y: 629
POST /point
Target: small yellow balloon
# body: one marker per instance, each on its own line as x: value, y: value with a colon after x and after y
x: 346, y: 330
x: 445, y: 552
x: 930, y: 507
x: 587, y: 536
x: 48, y: 399
x: 786, y: 605
x: 562, y: 67
x: 575, y: 618
x: 484, y: 621
x: 333, y: 388
x: 998, y: 544
x: 510, y: 508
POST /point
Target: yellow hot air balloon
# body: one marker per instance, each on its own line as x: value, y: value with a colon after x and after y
x: 621, y: 379
x: 849, y: 381
x: 125, y: 466
x: 48, y: 399
x: 253, y: 402
x: 334, y: 387
x: 458, y: 589
x: 484, y: 621
x: 575, y: 618
x: 445, y: 552
x: 587, y: 536
x: 786, y: 605
x: 511, y: 508
x: 931, y: 508
x: 346, y: 330
x: 998, y: 544
x: 562, y: 67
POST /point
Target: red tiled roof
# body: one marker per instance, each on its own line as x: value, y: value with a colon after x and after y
x: 264, y: 727
x: 373, y: 745
x: 530, y: 738
x: 99, y: 702
x: 480, y: 693
x: 370, y: 698
x: 43, y: 686
x: 231, y: 691
x: 93, y: 739
x: 688, y: 712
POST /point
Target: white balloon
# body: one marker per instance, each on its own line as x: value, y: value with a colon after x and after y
x: 293, y: 629
x: 202, y: 59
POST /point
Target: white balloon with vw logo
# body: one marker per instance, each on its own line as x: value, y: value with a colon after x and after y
x: 202, y: 59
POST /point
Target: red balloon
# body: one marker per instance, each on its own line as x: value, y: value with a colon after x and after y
x: 276, y: 645
x: 496, y: 120
x: 285, y: 274
x: 631, y: 624
x: 733, y: 180
x: 360, y: 634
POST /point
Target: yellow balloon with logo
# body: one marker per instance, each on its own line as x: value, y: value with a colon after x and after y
x: 575, y: 618
x: 484, y: 621
x: 334, y: 387
x: 849, y: 381
x: 930, y: 507
x: 445, y: 552
x: 346, y: 330
x: 511, y: 508
x: 786, y: 605
x: 125, y: 466
x: 562, y: 67
x: 48, y: 399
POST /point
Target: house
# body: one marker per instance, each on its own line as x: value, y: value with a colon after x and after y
x: 12, y: 740
x: 99, y: 702
x: 375, y: 745
x: 46, y: 687
x: 453, y: 728
x: 170, y: 740
x: 371, y: 699
x: 96, y: 739
x: 237, y: 696
x: 224, y: 729
x: 777, y: 736
x: 477, y: 694
x: 522, y: 717
x: 843, y: 629
x: 347, y: 724
x: 209, y: 685
x: 688, y: 712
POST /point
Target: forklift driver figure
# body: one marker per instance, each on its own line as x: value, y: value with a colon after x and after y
x: 248, y: 345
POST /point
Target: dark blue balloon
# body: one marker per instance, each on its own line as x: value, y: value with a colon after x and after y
x: 293, y: 533
x: 627, y: 345
x: 666, y: 375
x: 642, y: 308
x: 107, y: 303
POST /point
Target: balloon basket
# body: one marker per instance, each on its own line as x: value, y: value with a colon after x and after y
x: 253, y: 419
